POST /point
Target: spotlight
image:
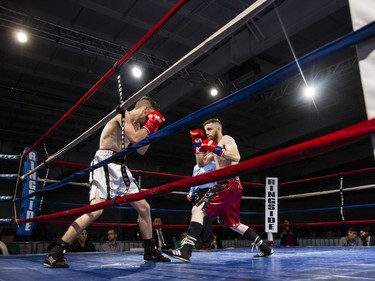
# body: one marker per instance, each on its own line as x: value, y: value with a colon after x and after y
x: 213, y: 92
x: 137, y: 72
x: 309, y: 92
x: 21, y: 36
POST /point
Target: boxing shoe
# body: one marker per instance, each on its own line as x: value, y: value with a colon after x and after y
x: 264, y: 254
x: 181, y: 254
x: 151, y: 253
x: 155, y: 256
x: 55, y: 258
x: 265, y: 250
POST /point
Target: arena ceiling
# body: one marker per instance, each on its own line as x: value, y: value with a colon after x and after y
x: 74, y: 43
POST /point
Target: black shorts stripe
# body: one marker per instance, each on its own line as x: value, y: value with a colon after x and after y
x: 107, y: 181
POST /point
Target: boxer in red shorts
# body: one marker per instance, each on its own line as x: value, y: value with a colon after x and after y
x: 224, y: 198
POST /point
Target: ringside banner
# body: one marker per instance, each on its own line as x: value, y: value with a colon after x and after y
x: 271, y: 205
x: 30, y: 185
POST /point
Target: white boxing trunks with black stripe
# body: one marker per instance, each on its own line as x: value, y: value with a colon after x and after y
x: 108, y: 180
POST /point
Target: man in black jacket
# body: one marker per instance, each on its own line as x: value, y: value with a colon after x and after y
x: 366, y: 237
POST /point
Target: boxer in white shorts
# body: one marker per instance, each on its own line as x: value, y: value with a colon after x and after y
x: 108, y: 180
x: 138, y: 123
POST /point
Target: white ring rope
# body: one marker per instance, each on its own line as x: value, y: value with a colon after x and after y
x: 16, y: 188
x: 342, y: 198
x: 318, y: 193
x: 45, y: 179
x: 9, y: 157
x: 8, y: 175
x: 302, y: 195
x: 71, y: 183
x: 198, y: 51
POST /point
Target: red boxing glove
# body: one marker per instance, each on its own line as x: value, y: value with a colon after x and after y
x: 212, y: 146
x: 197, y: 136
x: 154, y: 120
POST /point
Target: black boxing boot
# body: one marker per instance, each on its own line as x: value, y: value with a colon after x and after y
x: 187, y: 244
x: 265, y: 250
x: 56, y: 258
x: 152, y: 253
x: 183, y: 253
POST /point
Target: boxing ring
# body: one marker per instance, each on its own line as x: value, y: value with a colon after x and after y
x: 288, y: 263
x: 294, y: 263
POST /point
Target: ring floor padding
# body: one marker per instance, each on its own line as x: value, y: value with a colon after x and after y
x: 294, y: 263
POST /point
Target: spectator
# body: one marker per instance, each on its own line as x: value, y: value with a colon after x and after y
x: 366, y: 237
x: 81, y: 244
x: 7, y: 237
x: 158, y: 234
x: 330, y: 234
x: 287, y: 236
x: 352, y: 238
x: 112, y: 245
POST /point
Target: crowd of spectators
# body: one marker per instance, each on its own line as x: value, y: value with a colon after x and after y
x: 288, y: 234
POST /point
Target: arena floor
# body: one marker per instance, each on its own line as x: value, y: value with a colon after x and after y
x: 294, y: 263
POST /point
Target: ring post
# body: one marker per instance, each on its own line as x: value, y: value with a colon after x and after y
x: 271, y: 208
x: 30, y: 184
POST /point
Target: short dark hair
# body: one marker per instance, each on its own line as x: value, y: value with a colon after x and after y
x: 114, y: 230
x: 367, y: 229
x: 157, y: 218
x: 145, y: 100
x: 353, y: 228
x: 213, y: 120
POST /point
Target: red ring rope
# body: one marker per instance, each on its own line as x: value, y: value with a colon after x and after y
x: 167, y: 175
x: 283, y: 156
x: 114, y: 224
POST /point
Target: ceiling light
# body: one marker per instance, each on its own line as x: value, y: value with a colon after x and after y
x: 213, y: 92
x: 137, y: 72
x: 21, y: 36
x: 309, y: 92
